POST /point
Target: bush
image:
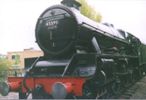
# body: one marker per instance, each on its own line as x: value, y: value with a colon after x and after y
x: 4, y: 67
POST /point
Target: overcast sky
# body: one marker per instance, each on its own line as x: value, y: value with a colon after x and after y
x: 18, y: 19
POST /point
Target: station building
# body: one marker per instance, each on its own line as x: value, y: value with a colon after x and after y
x: 18, y: 57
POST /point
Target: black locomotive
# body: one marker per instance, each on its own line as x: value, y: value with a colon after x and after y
x: 82, y: 58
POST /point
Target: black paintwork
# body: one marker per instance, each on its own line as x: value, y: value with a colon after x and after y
x: 76, y: 46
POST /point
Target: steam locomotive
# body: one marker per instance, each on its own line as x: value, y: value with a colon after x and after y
x: 82, y: 58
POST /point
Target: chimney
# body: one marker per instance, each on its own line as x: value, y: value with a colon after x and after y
x: 29, y: 49
x: 71, y: 3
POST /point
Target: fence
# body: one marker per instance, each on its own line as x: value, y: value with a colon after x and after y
x: 11, y: 72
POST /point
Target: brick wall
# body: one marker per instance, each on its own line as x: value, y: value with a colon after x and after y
x: 21, y: 55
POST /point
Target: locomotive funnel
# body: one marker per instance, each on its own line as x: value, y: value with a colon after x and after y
x: 71, y: 3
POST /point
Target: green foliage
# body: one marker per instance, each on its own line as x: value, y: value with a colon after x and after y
x: 88, y: 11
x: 4, y: 66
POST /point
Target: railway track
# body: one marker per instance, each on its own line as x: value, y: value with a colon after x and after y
x: 135, y: 91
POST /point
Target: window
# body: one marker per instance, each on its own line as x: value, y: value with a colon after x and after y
x: 13, y: 57
x: 16, y: 59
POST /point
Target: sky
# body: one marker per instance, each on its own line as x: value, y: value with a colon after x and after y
x: 18, y: 19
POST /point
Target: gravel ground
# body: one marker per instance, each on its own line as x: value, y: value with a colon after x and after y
x: 12, y: 96
x: 140, y: 92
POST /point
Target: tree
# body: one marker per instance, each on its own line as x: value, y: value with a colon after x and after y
x: 4, y: 66
x: 88, y: 11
